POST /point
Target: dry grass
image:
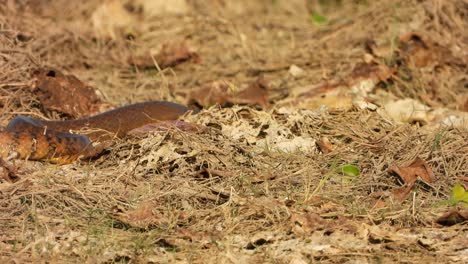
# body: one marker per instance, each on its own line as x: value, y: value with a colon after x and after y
x: 235, y: 192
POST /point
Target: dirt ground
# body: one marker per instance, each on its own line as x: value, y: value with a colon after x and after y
x: 330, y: 131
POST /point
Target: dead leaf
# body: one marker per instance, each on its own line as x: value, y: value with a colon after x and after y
x: 420, y: 51
x: 205, y: 173
x: 311, y: 91
x: 379, y: 204
x: 214, y: 93
x: 379, y: 51
x: 170, y: 55
x: 205, y: 238
x: 9, y: 171
x: 453, y: 217
x: 418, y: 169
x: 259, y: 239
x: 325, y: 145
x: 305, y: 223
x: 401, y: 193
x: 260, y: 178
x: 65, y: 93
x: 332, y: 94
x: 255, y: 94
x: 141, y: 217
x: 329, y: 207
x: 369, y: 71
x: 342, y: 94
x: 219, y: 92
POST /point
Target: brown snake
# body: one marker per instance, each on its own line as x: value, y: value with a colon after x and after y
x: 37, y: 139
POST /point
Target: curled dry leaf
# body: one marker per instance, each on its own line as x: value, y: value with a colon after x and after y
x: 255, y: 94
x: 379, y: 204
x: 205, y: 173
x: 325, y: 145
x: 332, y: 94
x: 402, y: 193
x: 420, y: 51
x: 65, y: 93
x: 219, y: 92
x: 415, y: 49
x: 170, y: 55
x: 378, y: 51
x: 206, y: 238
x: 8, y: 171
x: 418, y: 169
x: 369, y: 72
x: 453, y: 217
x: 141, y: 217
x: 342, y: 94
x: 305, y: 223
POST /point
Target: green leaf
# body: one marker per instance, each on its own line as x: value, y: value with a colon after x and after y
x: 350, y: 170
x: 459, y: 194
x: 318, y: 19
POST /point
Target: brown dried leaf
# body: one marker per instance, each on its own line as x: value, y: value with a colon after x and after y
x: 340, y: 94
x: 329, y: 207
x: 369, y: 71
x: 256, y: 94
x: 453, y: 217
x: 379, y: 204
x: 409, y: 174
x: 325, y: 145
x: 220, y: 173
x: 259, y: 178
x: 332, y: 94
x: 65, y: 93
x: 9, y: 172
x: 305, y: 223
x: 417, y: 168
x: 316, y: 90
x: 401, y: 193
x: 379, y: 51
x: 215, y: 93
x: 205, y: 238
x: 421, y: 51
x: 141, y: 217
x: 170, y: 55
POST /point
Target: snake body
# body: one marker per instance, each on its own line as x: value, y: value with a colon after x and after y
x: 52, y: 141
